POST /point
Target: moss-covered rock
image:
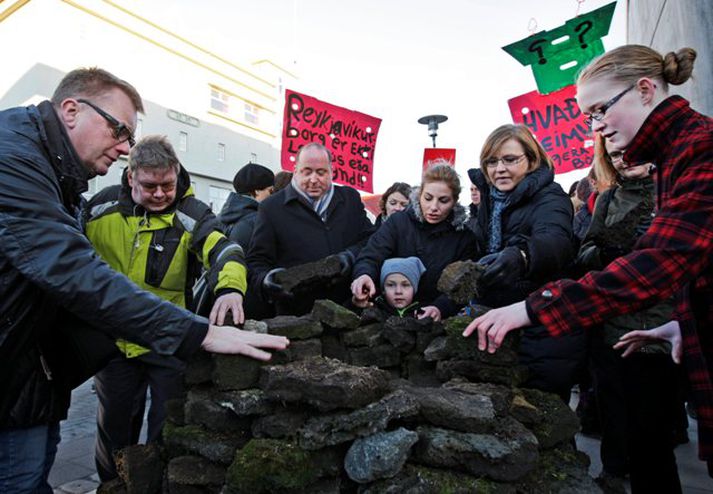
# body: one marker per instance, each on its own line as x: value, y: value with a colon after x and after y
x: 334, y: 315
x: 235, y: 372
x: 560, y: 471
x: 194, y: 439
x: 270, y: 465
x: 546, y: 415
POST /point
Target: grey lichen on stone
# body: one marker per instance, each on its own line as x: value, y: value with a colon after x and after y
x: 334, y: 315
x: 254, y: 326
x: 379, y: 456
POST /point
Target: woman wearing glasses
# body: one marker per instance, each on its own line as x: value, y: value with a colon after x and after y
x: 524, y: 227
x: 673, y: 258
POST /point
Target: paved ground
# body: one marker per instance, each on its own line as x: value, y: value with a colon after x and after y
x: 74, y: 471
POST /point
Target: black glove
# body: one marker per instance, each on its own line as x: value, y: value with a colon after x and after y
x: 273, y: 290
x: 509, y: 267
x: 608, y: 253
x: 346, y: 262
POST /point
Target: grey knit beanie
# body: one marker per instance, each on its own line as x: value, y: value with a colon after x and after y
x: 411, y: 267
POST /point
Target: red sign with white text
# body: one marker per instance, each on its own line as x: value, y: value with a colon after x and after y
x: 349, y: 135
x: 432, y: 154
x: 557, y: 123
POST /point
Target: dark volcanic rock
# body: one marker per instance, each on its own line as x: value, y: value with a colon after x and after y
x: 293, y: 327
x: 196, y: 471
x: 459, y: 411
x: 500, y: 396
x: 477, y: 371
x: 245, y: 403
x: 298, y: 350
x: 371, y: 315
x: 546, y: 415
x: 235, y: 372
x: 419, y: 371
x: 560, y: 471
x: 198, y: 369
x: 369, y: 336
x: 381, y: 356
x: 202, y: 409
x: 460, y: 281
x: 334, y: 315
x: 333, y: 346
x: 505, y: 455
x: 338, y: 428
x: 140, y: 467
x: 283, y: 424
x: 307, y: 276
x: 254, y: 326
x: 419, y: 479
x: 456, y: 346
x: 324, y: 383
x: 379, y: 456
x: 194, y: 439
x: 270, y: 465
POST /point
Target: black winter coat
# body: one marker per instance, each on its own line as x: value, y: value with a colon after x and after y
x: 407, y: 234
x: 288, y: 232
x: 47, y: 267
x: 238, y: 216
x: 538, y: 220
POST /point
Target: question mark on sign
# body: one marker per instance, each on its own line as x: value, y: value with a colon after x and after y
x: 535, y: 47
x: 587, y: 26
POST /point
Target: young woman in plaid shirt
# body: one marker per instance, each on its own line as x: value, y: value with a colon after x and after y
x: 624, y: 93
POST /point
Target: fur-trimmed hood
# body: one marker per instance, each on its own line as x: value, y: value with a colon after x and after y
x: 458, y: 217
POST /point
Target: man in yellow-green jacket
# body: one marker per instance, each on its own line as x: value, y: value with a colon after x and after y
x: 152, y: 229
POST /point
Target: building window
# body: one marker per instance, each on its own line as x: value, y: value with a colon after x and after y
x: 219, y: 101
x: 217, y: 197
x: 221, y: 151
x: 252, y: 114
x: 183, y: 141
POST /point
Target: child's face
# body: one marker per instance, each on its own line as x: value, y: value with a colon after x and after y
x: 398, y: 291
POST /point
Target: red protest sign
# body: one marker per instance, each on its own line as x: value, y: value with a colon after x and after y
x: 349, y: 135
x: 432, y: 154
x: 557, y: 123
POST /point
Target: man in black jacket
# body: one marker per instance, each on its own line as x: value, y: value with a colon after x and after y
x: 308, y: 220
x: 50, y: 274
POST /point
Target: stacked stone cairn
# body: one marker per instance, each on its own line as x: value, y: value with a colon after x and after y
x: 366, y: 404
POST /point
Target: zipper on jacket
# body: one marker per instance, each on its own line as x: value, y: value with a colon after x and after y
x: 45, y: 367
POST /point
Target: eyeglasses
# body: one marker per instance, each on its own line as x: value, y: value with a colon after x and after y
x: 506, y: 160
x: 599, y: 113
x: 120, y: 131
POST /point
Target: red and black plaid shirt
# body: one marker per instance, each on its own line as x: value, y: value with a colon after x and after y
x: 674, y: 257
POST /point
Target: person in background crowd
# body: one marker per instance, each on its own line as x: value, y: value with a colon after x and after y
x: 636, y: 395
x: 253, y: 184
x: 304, y: 222
x: 282, y: 180
x: 396, y: 198
x: 171, y: 233
x: 473, y: 207
x: 624, y: 94
x: 432, y: 228
x: 525, y: 229
x: 62, y: 307
x: 586, y: 197
x: 573, y: 195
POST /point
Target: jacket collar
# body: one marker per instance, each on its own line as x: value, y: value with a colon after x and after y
x: 535, y: 181
x: 654, y: 136
x: 290, y: 194
x: 457, y: 219
x: 128, y: 207
x: 73, y: 176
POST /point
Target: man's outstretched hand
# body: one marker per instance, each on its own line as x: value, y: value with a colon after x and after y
x: 226, y: 339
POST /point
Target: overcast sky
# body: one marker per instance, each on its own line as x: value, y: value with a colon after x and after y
x: 394, y: 59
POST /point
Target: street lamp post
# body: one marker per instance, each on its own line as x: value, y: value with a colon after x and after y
x: 432, y: 121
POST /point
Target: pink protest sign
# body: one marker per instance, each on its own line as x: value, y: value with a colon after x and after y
x: 349, y: 135
x: 557, y: 123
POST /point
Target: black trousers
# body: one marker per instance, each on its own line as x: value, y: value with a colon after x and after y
x: 121, y: 390
x: 636, y: 397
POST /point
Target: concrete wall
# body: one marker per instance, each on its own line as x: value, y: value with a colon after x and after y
x: 668, y: 25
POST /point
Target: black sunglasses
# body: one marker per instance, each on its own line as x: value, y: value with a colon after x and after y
x: 598, y: 114
x: 120, y: 131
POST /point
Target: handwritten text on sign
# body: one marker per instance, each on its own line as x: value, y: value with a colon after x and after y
x: 558, y: 124
x: 349, y: 135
